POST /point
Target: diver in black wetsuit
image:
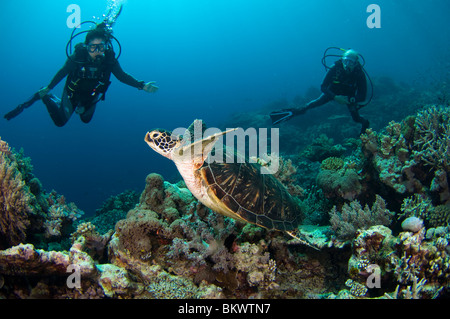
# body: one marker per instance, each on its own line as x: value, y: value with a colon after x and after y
x: 88, y: 72
x: 345, y: 83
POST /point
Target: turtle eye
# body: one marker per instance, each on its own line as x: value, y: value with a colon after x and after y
x: 154, y: 135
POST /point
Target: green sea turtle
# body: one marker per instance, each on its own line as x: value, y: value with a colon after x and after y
x: 236, y: 190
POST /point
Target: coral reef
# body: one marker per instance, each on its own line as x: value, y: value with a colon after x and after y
x: 409, y: 152
x: 408, y: 266
x: 377, y: 207
x: 170, y: 246
x: 15, y: 201
x: 321, y: 148
x: 354, y: 217
x: 342, y: 183
x: 27, y: 212
x: 114, y: 209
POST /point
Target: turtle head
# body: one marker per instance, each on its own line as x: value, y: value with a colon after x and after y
x: 163, y: 142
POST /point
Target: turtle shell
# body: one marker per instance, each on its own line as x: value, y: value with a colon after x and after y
x: 245, y: 194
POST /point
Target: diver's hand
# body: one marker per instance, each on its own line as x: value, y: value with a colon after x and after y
x: 341, y: 99
x: 150, y: 88
x: 43, y: 92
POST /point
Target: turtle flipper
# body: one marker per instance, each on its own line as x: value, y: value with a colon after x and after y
x: 199, y: 150
x: 301, y: 241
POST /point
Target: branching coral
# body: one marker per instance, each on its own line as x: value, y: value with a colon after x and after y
x: 286, y: 174
x: 432, y: 142
x: 419, y: 267
x: 259, y: 268
x: 391, y: 158
x: 58, y: 214
x: 353, y: 217
x: 417, y: 205
x: 406, y: 153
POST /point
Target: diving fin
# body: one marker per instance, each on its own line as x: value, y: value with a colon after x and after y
x: 278, y: 117
x: 12, y: 114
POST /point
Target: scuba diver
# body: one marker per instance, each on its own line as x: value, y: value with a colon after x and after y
x: 345, y: 83
x: 88, y: 72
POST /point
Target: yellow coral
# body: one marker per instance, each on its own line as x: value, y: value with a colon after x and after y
x: 4, y: 147
x: 14, y: 204
x: 332, y: 163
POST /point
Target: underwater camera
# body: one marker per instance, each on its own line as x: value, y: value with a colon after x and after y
x: 105, y: 27
x: 339, y: 55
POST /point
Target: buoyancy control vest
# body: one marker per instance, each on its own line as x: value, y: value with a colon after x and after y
x: 89, y: 78
x: 345, y: 83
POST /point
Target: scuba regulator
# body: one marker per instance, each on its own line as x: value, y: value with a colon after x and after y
x: 105, y: 27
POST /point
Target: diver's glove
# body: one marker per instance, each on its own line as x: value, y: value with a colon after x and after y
x: 150, y: 88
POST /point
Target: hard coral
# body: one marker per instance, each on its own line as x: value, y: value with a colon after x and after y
x: 439, y: 216
x: 332, y: 163
x: 286, y: 174
x: 406, y: 153
x: 419, y: 267
x: 432, y: 140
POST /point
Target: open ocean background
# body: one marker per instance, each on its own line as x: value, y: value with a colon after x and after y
x: 210, y: 58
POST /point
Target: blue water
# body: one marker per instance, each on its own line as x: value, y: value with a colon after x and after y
x: 210, y: 58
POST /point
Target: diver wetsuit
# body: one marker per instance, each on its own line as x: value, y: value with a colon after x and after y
x: 86, y: 84
x: 340, y: 82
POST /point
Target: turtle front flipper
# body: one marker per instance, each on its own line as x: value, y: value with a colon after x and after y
x: 198, y: 151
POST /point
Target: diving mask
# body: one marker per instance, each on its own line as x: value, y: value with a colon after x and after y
x: 101, y: 47
x: 349, y: 63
